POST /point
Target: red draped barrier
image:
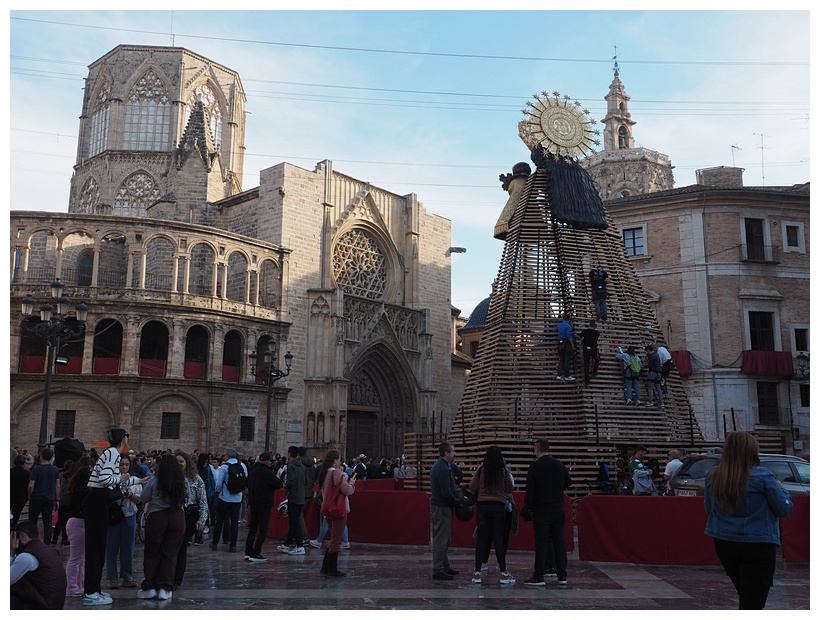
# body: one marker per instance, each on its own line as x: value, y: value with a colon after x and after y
x: 794, y: 531
x: 380, y: 484
x: 644, y: 530
x: 771, y: 363
x: 403, y: 518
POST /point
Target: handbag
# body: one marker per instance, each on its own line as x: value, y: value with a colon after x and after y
x: 334, y: 505
x: 115, y: 513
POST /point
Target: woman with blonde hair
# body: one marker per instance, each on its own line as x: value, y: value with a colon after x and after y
x: 333, y: 474
x: 743, y: 502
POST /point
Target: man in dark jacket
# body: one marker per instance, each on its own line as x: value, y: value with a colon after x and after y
x: 444, y: 497
x: 262, y: 484
x: 547, y: 479
x: 37, y: 575
x: 310, y: 478
x: 295, y: 483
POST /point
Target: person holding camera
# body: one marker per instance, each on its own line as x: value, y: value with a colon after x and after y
x: 38, y: 580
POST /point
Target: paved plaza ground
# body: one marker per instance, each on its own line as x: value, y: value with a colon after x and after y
x: 399, y: 578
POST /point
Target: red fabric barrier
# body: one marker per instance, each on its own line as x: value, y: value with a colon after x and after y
x: 771, y: 363
x: 106, y: 366
x: 230, y: 374
x: 525, y: 540
x: 74, y: 366
x: 32, y: 363
x: 794, y: 531
x: 682, y: 361
x: 644, y: 530
x: 382, y: 484
x: 389, y: 517
x: 193, y: 370
x: 152, y: 368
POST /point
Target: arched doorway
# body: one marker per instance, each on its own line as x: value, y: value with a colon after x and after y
x: 381, y: 404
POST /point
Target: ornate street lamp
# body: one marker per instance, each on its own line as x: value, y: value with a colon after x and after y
x: 52, y: 328
x: 267, y: 369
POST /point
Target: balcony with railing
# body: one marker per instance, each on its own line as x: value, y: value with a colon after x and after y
x: 757, y: 253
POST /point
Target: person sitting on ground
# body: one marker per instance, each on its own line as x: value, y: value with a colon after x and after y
x: 38, y: 580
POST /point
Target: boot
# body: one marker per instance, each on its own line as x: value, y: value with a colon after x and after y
x: 324, y: 563
x: 332, y: 567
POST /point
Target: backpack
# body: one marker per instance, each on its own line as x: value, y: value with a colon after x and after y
x: 237, y: 479
x: 634, y: 364
x: 210, y: 483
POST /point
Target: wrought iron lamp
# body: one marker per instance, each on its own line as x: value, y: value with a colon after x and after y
x: 53, y: 328
x: 267, y: 369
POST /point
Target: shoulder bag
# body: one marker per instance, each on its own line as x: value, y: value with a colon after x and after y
x: 334, y: 505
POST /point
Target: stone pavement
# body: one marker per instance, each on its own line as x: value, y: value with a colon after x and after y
x: 399, y: 577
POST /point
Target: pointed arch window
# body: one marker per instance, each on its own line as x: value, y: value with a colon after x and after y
x: 213, y: 112
x: 135, y: 194
x: 89, y: 196
x: 148, y: 115
x: 100, y: 118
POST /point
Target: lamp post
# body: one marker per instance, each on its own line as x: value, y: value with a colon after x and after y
x: 267, y: 369
x: 52, y: 328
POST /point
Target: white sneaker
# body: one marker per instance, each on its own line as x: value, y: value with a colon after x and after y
x: 284, y: 548
x: 628, y: 401
x: 147, y: 593
x: 562, y: 582
x: 506, y: 578
x: 164, y: 594
x: 97, y: 599
x: 316, y: 543
x: 297, y: 551
x: 345, y: 545
x: 570, y: 378
x: 484, y: 568
x: 476, y: 577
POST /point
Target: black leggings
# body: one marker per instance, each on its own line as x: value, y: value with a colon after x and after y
x: 95, y: 509
x: 750, y: 566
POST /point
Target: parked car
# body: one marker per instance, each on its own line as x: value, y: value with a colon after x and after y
x: 792, y: 471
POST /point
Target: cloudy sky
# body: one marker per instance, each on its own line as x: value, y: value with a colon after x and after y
x: 428, y: 102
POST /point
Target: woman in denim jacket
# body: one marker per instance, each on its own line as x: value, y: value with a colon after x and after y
x: 744, y: 502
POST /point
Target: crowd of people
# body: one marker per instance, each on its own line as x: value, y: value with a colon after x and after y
x: 99, y: 495
x: 184, y: 496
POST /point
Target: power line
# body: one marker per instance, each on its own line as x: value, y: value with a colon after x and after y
x: 746, y: 63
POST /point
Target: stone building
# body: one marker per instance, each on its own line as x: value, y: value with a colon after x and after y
x: 726, y: 268
x: 186, y: 274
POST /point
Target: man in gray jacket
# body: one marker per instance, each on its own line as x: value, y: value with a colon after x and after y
x: 295, y: 483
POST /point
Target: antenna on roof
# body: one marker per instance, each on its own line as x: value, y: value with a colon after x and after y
x: 172, y: 29
x: 734, y: 148
x: 762, y: 162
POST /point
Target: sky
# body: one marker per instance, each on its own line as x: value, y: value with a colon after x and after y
x: 428, y: 101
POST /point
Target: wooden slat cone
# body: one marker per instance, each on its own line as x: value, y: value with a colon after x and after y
x: 512, y: 395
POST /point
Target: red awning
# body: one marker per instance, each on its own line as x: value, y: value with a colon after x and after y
x: 770, y: 363
x: 683, y: 362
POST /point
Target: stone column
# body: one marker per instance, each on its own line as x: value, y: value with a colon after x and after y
x: 129, y: 363
x: 176, y: 353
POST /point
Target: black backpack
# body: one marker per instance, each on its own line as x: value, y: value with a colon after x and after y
x: 237, y: 479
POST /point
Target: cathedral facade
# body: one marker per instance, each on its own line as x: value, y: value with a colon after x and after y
x: 187, y: 274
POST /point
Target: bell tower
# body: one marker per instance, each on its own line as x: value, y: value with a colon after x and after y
x: 620, y: 169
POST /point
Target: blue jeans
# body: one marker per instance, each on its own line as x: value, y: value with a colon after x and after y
x: 120, y: 542
x: 632, y: 385
x: 600, y: 308
x: 323, y: 532
x: 490, y: 520
x: 550, y: 546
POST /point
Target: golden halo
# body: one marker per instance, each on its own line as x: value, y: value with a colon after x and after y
x: 558, y: 125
